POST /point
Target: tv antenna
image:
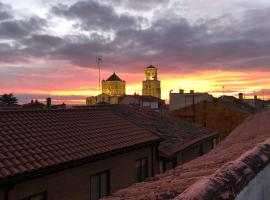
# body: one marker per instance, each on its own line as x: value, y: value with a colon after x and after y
x: 99, y: 61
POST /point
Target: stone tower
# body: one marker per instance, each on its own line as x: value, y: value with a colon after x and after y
x: 151, y: 85
x: 114, y: 86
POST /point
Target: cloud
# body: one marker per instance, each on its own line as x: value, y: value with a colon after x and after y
x: 92, y: 15
x: 232, y: 42
x: 5, y: 12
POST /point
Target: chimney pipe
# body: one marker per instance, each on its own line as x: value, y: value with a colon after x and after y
x: 181, y: 91
x: 49, y: 102
x: 241, y: 96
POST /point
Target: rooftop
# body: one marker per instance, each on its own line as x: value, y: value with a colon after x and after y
x: 114, y: 77
x: 177, y: 134
x: 151, y: 66
x: 222, y: 173
x: 235, y: 103
x: 45, y: 139
x: 145, y: 98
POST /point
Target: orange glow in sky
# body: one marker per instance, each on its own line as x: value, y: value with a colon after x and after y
x: 206, y: 81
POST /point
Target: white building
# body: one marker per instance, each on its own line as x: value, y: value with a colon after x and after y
x: 182, y: 100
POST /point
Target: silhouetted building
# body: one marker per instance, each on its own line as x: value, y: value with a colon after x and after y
x: 256, y: 103
x: 237, y: 104
x: 212, y: 115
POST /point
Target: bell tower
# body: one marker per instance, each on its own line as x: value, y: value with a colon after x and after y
x: 151, y: 84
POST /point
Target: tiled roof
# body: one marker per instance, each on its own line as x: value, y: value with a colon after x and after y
x: 177, y: 134
x: 114, y: 77
x: 236, y: 104
x: 222, y: 173
x: 34, y: 140
x: 145, y: 98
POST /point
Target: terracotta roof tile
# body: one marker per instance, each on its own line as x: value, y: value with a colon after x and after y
x: 177, y: 134
x: 246, y: 149
x: 32, y: 140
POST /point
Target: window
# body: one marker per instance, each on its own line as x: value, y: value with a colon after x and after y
x: 39, y: 196
x: 214, y: 142
x: 100, y: 185
x: 141, y: 169
x: 161, y: 166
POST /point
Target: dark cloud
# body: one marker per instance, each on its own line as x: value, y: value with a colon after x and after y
x: 16, y: 29
x: 95, y: 16
x: 139, y: 5
x: 228, y: 42
x: 5, y: 12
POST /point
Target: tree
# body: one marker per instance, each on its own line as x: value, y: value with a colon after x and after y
x: 8, y: 99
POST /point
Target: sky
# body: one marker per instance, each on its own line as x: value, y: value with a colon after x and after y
x: 49, y: 47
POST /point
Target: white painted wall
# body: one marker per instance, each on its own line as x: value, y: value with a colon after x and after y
x: 178, y: 100
x: 258, y: 188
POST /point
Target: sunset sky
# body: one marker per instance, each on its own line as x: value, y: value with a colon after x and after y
x: 49, y: 47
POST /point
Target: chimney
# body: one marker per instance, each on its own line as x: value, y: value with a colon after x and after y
x: 241, y: 96
x: 181, y: 91
x: 49, y: 102
x: 192, y: 91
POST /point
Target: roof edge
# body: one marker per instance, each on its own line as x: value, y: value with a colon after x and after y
x: 71, y: 164
x: 237, y: 174
x: 191, y: 143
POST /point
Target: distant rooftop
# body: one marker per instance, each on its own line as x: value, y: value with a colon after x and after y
x: 220, y: 174
x: 145, y: 98
x: 235, y: 103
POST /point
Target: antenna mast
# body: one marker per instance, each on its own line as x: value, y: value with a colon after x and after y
x: 99, y: 61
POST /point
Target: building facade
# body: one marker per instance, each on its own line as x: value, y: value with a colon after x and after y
x: 182, y: 99
x: 102, y: 98
x: 149, y: 102
x: 151, y: 84
x: 114, y: 86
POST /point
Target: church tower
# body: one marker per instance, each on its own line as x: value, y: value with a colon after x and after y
x: 114, y: 86
x: 151, y: 85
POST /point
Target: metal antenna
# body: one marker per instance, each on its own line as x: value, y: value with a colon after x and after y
x: 99, y: 61
x: 223, y: 88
